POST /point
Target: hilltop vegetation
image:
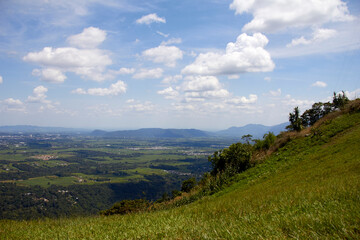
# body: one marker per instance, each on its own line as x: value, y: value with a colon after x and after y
x: 306, y: 185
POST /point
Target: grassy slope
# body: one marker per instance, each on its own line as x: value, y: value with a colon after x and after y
x: 308, y: 189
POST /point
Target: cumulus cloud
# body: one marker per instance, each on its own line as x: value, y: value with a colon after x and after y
x: 150, y: 18
x: 169, y: 93
x: 195, y: 89
x: 201, y: 83
x: 89, y: 38
x: 123, y: 71
x: 141, y: 107
x: 171, y: 79
x: 353, y: 94
x: 39, y: 95
x: 275, y: 15
x: 89, y: 63
x: 115, y: 89
x: 11, y: 104
x: 1, y: 79
x: 247, y: 54
x: 149, y: 73
x: 243, y: 100
x: 319, y: 35
x: 52, y: 75
x: 292, y: 102
x: 167, y: 55
x: 199, y: 88
x: 319, y: 84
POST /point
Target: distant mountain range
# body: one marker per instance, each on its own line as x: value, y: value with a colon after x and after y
x: 152, y: 133
x: 256, y: 130
x: 37, y: 129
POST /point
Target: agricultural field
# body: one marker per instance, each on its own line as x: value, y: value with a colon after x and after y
x: 32, y: 166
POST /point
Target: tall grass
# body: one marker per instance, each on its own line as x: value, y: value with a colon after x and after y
x: 308, y: 189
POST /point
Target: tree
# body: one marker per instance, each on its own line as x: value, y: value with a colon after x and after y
x: 189, y: 184
x: 339, y: 100
x: 247, y: 138
x: 295, y: 120
x: 269, y: 139
x: 235, y: 159
x: 317, y: 111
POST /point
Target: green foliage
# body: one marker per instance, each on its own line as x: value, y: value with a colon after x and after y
x: 295, y: 120
x: 267, y: 141
x: 234, y: 159
x: 247, y: 138
x: 188, y: 184
x: 309, y: 189
x: 317, y: 111
x: 340, y: 100
x: 126, y: 207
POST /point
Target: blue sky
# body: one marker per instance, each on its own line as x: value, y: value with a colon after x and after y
x: 174, y: 64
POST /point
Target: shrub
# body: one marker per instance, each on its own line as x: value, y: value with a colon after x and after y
x: 189, y: 184
x: 235, y: 159
x: 127, y: 206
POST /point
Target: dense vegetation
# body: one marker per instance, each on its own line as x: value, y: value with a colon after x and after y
x: 52, y: 176
x: 306, y: 185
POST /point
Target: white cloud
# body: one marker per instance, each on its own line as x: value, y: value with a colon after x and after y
x: 150, y: 18
x: 167, y: 55
x: 148, y: 73
x: 171, y: 79
x: 79, y: 91
x: 169, y: 93
x: 122, y: 71
x: 319, y: 35
x: 88, y: 63
x: 243, y: 100
x: 200, y: 88
x: 141, y: 107
x: 233, y: 76
x: 344, y: 39
x: 11, y: 104
x: 39, y: 95
x: 115, y: 89
x: 319, y: 84
x: 162, y: 34
x: 276, y: 93
x: 275, y: 15
x: 201, y: 83
x: 52, y: 75
x: 1, y: 79
x: 172, y: 41
x: 292, y: 102
x: 353, y: 94
x: 89, y: 38
x: 247, y: 54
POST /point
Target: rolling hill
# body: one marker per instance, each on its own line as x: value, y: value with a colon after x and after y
x: 308, y: 188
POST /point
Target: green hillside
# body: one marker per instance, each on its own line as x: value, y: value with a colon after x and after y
x: 309, y: 188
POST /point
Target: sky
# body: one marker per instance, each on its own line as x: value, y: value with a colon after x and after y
x: 205, y: 64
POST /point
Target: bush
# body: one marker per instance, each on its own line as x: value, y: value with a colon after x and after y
x: 189, y: 184
x: 235, y: 159
x: 127, y: 206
